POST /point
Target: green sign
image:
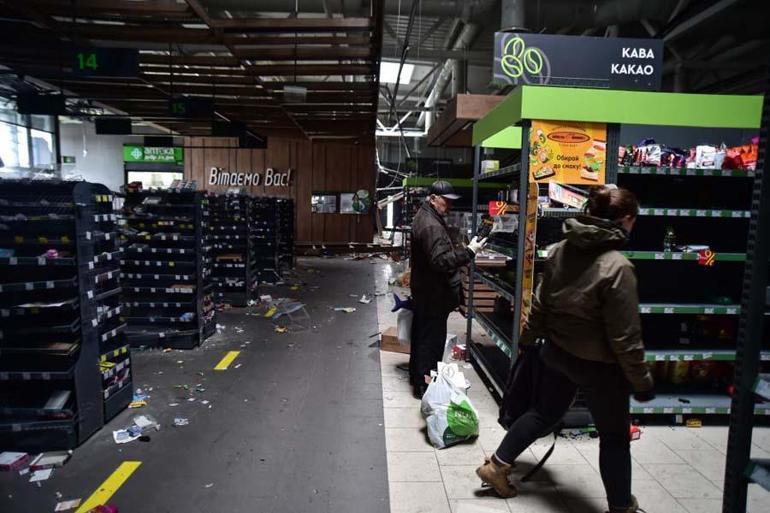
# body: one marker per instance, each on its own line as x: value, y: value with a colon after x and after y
x: 151, y: 154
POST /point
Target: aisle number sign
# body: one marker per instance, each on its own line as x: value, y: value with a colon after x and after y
x: 152, y: 154
x: 568, y: 152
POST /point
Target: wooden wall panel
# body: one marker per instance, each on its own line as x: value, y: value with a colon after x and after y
x: 317, y: 166
x: 303, y: 191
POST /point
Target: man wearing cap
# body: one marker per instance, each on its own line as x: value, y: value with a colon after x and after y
x: 435, y: 281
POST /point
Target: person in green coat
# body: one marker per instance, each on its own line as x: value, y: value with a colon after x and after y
x: 587, y: 310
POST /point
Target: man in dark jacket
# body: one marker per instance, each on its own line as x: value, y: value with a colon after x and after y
x: 435, y: 281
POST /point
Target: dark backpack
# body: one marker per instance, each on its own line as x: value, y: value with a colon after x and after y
x: 520, y: 396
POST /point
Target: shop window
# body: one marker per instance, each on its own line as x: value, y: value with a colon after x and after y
x: 159, y: 179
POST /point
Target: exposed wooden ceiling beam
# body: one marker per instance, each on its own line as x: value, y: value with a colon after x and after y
x: 156, y: 34
x: 94, y: 8
x: 278, y: 25
x: 310, y: 69
x: 238, y: 40
x: 304, y: 53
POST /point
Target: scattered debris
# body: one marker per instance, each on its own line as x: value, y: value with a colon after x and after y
x: 251, y: 302
x: 10, y: 461
x: 142, y: 424
x: 238, y: 366
x: 181, y: 421
x: 239, y: 330
x: 635, y: 433
x: 281, y: 329
x: 137, y: 404
x: 40, y: 475
x: 346, y: 309
x: 694, y: 423
x: 204, y: 402
x: 200, y: 389
x: 180, y: 362
x: 191, y: 399
x: 52, y: 459
x: 173, y: 404
x: 220, y: 327
x: 105, y: 508
x: 167, y: 350
x: 68, y: 505
x: 209, y: 485
x: 365, y: 300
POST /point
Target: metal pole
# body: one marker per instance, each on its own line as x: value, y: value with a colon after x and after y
x: 750, y: 336
x: 472, y: 267
x: 522, y: 241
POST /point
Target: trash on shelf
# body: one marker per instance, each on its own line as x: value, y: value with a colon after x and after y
x: 365, y: 300
x: 346, y: 309
x: 694, y: 423
x: 10, y: 461
x: 181, y: 421
x: 52, y: 459
x: 68, y: 505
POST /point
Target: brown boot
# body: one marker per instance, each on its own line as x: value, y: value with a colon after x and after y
x: 633, y: 508
x: 496, y: 475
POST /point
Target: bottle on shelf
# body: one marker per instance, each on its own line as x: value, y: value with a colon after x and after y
x: 669, y: 240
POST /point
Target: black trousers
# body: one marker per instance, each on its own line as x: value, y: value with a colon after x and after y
x: 606, y: 391
x: 428, y: 340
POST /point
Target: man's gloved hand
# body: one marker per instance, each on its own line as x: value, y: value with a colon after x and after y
x: 644, y: 397
x: 476, y: 245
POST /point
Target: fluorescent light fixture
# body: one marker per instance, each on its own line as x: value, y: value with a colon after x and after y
x: 389, y: 72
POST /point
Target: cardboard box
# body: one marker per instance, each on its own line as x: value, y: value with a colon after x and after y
x: 389, y: 342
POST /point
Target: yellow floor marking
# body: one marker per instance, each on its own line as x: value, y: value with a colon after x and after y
x: 225, y: 362
x: 109, y: 486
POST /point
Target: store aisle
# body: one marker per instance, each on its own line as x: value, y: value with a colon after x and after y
x: 675, y: 469
x: 295, y: 424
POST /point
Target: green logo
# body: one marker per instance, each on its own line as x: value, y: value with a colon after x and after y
x: 517, y: 58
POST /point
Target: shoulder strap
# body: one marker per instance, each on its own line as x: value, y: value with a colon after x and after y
x: 542, y: 461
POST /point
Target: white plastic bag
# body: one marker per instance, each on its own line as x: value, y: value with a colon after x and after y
x: 449, y: 414
x: 405, y: 326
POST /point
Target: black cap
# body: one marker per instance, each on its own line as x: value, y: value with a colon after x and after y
x: 445, y: 189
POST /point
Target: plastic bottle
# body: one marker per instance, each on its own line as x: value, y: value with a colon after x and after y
x: 669, y: 239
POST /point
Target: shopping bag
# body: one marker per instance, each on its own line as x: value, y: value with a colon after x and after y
x: 405, y: 326
x: 448, y: 412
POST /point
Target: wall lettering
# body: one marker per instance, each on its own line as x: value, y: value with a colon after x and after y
x: 272, y: 178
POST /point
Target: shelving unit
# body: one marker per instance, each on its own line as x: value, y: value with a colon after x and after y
x: 689, y: 311
x: 61, y: 315
x: 263, y: 229
x: 285, y: 232
x: 166, y: 269
x: 234, y: 276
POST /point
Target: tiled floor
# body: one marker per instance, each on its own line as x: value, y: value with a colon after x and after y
x: 675, y: 469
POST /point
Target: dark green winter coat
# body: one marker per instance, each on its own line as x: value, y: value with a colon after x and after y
x: 587, y: 302
x: 436, y: 263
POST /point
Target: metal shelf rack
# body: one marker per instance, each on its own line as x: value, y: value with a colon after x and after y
x: 69, y: 302
x: 233, y: 268
x: 167, y: 259
x: 727, y: 218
